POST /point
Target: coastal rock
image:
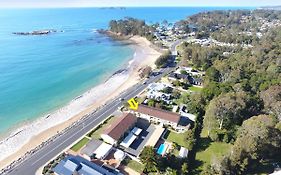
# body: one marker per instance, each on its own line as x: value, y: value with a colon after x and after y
x: 36, y: 32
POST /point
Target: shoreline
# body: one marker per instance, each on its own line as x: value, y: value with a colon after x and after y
x: 120, y: 81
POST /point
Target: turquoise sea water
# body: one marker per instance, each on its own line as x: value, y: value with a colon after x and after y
x: 39, y: 74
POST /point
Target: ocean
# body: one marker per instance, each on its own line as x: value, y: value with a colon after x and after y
x: 41, y: 74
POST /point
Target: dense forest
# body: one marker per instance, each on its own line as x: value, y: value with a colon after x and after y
x: 131, y: 26
x: 241, y: 98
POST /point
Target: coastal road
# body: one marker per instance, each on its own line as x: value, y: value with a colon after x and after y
x: 33, y: 162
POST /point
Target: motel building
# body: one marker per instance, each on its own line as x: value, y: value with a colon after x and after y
x: 159, y: 116
x: 118, y: 129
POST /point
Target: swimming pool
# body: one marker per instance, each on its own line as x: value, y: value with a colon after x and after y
x: 162, y: 148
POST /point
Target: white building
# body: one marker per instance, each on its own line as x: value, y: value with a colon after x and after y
x: 183, y: 152
x: 103, y: 150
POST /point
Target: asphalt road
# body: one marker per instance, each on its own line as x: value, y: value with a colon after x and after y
x: 31, y: 164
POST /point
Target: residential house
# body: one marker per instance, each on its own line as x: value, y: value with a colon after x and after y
x: 159, y: 96
x: 176, y: 76
x: 192, y: 80
x: 197, y: 81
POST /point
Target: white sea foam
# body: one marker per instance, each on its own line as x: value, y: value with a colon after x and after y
x: 23, y: 134
x: 130, y: 62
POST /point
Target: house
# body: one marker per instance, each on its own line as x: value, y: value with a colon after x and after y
x: 156, y: 115
x: 190, y: 79
x: 155, y: 92
x: 156, y: 95
x: 157, y: 86
x: 78, y: 165
x: 197, y: 81
x: 118, y: 129
x: 177, y: 76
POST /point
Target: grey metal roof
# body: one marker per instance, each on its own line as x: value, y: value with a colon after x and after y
x: 90, y: 147
x: 84, y: 167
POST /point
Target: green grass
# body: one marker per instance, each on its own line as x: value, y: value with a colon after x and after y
x: 178, y: 138
x: 138, y: 167
x: 215, y: 149
x: 204, y: 133
x: 95, y: 133
x: 80, y: 144
x: 195, y: 89
x: 208, y: 150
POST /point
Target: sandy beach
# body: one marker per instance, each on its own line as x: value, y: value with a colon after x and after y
x: 40, y: 130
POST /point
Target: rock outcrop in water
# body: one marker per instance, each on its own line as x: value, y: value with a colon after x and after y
x: 36, y: 32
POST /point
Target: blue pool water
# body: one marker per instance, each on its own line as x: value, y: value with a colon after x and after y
x: 161, y: 150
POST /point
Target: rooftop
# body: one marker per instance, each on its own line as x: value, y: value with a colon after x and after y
x: 128, y: 140
x: 159, y: 113
x: 91, y: 147
x: 156, y: 135
x: 102, y: 150
x: 72, y: 164
x: 119, y: 127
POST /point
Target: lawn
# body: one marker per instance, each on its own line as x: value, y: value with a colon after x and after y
x: 80, y: 144
x: 178, y: 138
x: 95, y: 133
x: 195, y: 89
x: 207, y: 150
x: 134, y: 165
x: 138, y: 167
x: 215, y: 149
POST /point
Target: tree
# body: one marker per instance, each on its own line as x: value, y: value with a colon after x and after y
x: 151, y: 103
x: 145, y: 72
x: 176, y: 83
x: 149, y: 158
x: 228, y: 110
x: 184, y: 168
x: 183, y: 72
x: 131, y: 26
x: 272, y: 100
x: 190, y: 139
x: 213, y: 74
x: 170, y: 171
x: 163, y: 59
x: 258, y: 140
x: 183, y: 99
x: 167, y: 90
x: 176, y: 93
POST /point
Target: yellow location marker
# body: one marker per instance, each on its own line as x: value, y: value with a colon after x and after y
x: 133, y: 104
